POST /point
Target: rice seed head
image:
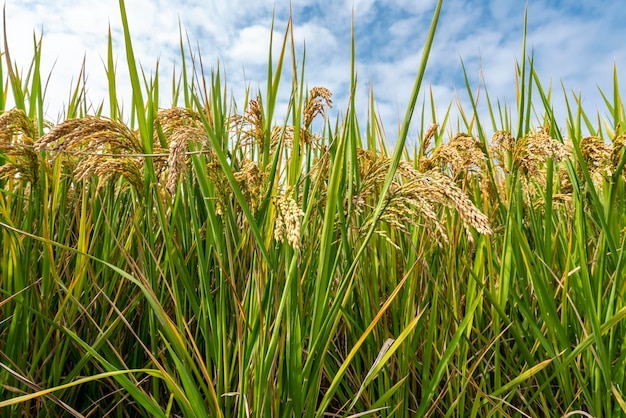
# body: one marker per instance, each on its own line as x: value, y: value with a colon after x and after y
x: 437, y: 188
x: 95, y: 146
x: 528, y: 155
x: 15, y: 129
x: 372, y: 171
x: 177, y: 161
x: 250, y: 125
x: 17, y: 135
x: 430, y: 133
x: 546, y: 146
x: 222, y: 188
x: 284, y: 132
x: 414, y: 194
x: 597, y: 155
x: 424, y: 161
x: 534, y: 149
x: 463, y: 155
x: 319, y: 102
x: 501, y: 146
x: 503, y: 140
x: 252, y: 183
x: 110, y: 168
x: 174, y: 130
x: 91, y: 134
x: 595, y: 151
x: 288, y: 220
x: 619, y: 142
x: 169, y: 120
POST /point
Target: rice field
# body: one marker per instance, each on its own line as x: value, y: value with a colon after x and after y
x: 201, y: 260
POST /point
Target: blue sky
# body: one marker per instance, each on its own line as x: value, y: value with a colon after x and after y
x: 574, y: 42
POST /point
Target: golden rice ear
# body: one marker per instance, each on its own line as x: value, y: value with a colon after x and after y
x: 597, y: 155
x: 17, y: 135
x: 174, y: 129
x: 415, y: 194
x: 435, y: 188
x: 430, y: 133
x: 91, y: 134
x: 288, y: 220
x: 16, y: 128
x: 595, y: 152
x: 284, y: 132
x: 252, y: 182
x: 168, y: 120
x: 96, y: 146
x: 109, y: 168
x: 319, y: 101
x: 250, y: 125
x: 619, y: 142
x: 502, y: 141
x: 462, y: 156
x: 530, y: 154
x: 177, y: 161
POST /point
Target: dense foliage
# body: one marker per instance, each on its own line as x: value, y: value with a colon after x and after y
x: 202, y: 261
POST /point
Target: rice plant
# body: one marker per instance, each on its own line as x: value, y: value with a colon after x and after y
x: 202, y: 260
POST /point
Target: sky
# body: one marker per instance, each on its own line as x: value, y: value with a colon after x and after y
x: 575, y: 44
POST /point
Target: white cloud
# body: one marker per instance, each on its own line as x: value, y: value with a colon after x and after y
x: 403, y: 28
x: 318, y: 38
x: 252, y: 45
x: 579, y: 49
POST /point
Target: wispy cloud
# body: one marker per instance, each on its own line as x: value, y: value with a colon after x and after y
x: 576, y: 42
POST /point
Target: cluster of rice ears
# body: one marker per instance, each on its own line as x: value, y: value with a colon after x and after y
x: 203, y: 260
